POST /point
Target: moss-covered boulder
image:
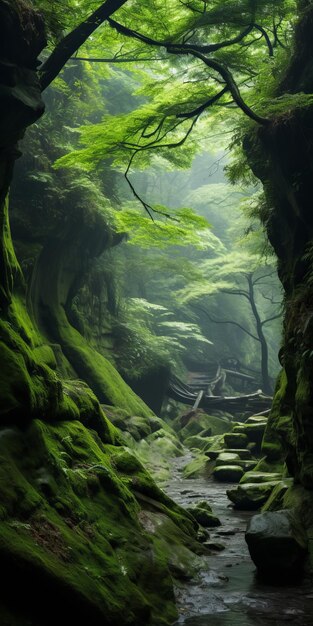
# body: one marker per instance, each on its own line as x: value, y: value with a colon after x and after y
x: 260, y: 477
x: 199, y: 466
x: 203, y: 514
x: 201, y: 423
x: 251, y: 496
x: 236, y: 440
x: 228, y: 473
x: 227, y: 458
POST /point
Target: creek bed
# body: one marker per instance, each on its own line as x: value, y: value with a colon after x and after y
x: 226, y: 591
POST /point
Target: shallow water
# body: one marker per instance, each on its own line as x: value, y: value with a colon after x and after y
x: 227, y: 591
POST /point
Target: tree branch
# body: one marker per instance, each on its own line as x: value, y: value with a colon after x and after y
x: 187, y: 47
x: 266, y: 37
x: 203, y: 106
x: 116, y: 59
x: 212, y: 319
x: 197, y: 52
x: 270, y: 319
x: 71, y: 42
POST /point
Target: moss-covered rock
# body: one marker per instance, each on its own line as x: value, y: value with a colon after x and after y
x: 259, y: 477
x: 203, y: 514
x: 228, y: 473
x: 251, y: 496
x: 71, y: 528
x: 227, y: 458
x: 200, y: 423
x: 199, y: 466
x: 236, y: 440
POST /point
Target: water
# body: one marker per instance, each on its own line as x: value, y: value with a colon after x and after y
x: 227, y: 591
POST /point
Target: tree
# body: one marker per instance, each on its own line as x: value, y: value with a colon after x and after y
x: 233, y: 275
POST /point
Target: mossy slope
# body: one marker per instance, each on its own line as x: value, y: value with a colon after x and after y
x: 71, y: 539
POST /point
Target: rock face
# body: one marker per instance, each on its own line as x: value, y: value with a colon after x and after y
x: 276, y: 544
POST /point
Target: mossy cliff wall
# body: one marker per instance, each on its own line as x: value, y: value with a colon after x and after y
x: 84, y: 530
x: 282, y: 157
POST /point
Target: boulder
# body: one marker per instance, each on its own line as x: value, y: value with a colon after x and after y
x: 277, y: 544
x: 254, y: 432
x: 236, y: 440
x: 260, y: 477
x: 226, y: 458
x: 203, y: 514
x: 251, y: 496
x: 243, y: 454
x: 228, y: 473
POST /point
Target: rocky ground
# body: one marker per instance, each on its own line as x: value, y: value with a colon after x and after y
x: 227, y: 590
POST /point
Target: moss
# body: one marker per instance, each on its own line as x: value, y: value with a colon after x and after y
x: 93, y: 367
x: 71, y: 529
x: 200, y: 466
x: 204, y: 515
x: 279, y: 425
x: 199, y: 422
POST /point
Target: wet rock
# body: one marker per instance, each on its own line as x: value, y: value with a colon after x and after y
x: 260, y: 477
x: 228, y: 473
x: 200, y: 466
x: 236, y: 440
x: 243, y: 453
x: 215, y: 546
x: 248, y: 465
x: 213, y: 454
x: 257, y: 419
x: 277, y: 544
x: 203, y: 514
x: 254, y: 432
x: 251, y: 496
x: 227, y: 458
x: 277, y: 497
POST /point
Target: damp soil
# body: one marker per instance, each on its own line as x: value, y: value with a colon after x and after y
x: 227, y: 591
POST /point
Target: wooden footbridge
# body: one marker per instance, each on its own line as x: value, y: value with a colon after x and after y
x: 205, y: 391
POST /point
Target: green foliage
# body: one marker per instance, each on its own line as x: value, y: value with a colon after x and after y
x: 147, y: 233
x: 151, y: 338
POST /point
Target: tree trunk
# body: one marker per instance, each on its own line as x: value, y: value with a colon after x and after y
x: 266, y: 382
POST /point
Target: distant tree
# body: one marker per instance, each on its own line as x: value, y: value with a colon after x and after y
x: 245, y: 276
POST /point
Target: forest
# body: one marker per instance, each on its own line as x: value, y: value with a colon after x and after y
x: 156, y: 312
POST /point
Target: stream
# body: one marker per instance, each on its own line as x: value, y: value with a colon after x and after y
x: 226, y: 591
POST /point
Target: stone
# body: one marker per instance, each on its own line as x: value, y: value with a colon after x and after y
x: 260, y: 477
x: 277, y: 544
x: 203, y: 514
x: 228, y: 473
x: 213, y: 454
x: 251, y: 496
x: 236, y: 440
x: 257, y: 419
x: 226, y: 458
x: 243, y: 453
x: 254, y: 432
